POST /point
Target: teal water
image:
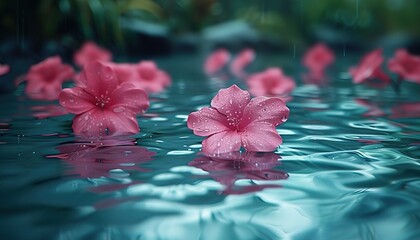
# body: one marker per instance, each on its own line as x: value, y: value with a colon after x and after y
x: 348, y: 168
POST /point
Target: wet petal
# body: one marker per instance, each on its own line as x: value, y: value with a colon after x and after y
x: 231, y: 102
x: 129, y: 97
x: 76, y: 100
x: 243, y: 59
x: 90, y: 123
x: 207, y: 121
x: 90, y: 52
x: 216, y: 61
x: 265, y: 110
x: 124, y: 122
x: 222, y: 142
x: 260, y: 137
x: 99, y: 79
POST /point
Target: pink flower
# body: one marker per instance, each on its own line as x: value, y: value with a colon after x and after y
x: 101, y: 105
x: 90, y: 52
x: 405, y: 65
x: 317, y: 58
x: 44, y: 79
x: 233, y: 120
x: 229, y: 167
x: 4, y: 69
x: 369, y: 68
x: 145, y: 75
x: 244, y: 58
x: 216, y: 61
x: 271, y: 82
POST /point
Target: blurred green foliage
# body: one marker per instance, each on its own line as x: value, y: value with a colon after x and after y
x: 285, y: 21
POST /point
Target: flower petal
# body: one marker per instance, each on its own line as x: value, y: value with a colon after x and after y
x: 129, y: 97
x: 264, y: 110
x: 124, y: 122
x: 76, y: 100
x: 222, y: 142
x: 207, y: 121
x: 260, y: 137
x: 231, y: 102
x: 99, y: 78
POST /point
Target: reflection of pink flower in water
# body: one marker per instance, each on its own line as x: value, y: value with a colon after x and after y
x: 101, y: 105
x: 373, y: 109
x: 244, y: 58
x: 369, y: 68
x: 234, y: 120
x: 4, y: 69
x: 46, y: 111
x: 272, y: 82
x: 216, y: 61
x: 229, y: 167
x: 317, y: 58
x: 44, y: 79
x: 406, y: 110
x: 90, y: 52
x: 405, y: 65
x: 95, y: 159
x: 145, y: 75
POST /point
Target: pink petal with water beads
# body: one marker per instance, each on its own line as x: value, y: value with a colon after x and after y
x: 260, y: 137
x: 76, y: 100
x: 222, y: 142
x: 216, y: 61
x: 207, y: 121
x: 231, y: 102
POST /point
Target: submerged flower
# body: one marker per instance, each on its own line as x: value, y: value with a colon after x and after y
x: 216, y: 61
x: 145, y: 75
x: 317, y: 58
x: 230, y: 167
x: 90, y: 52
x: 101, y: 105
x: 405, y: 65
x: 234, y: 120
x: 4, y: 69
x: 369, y: 68
x: 271, y: 82
x: 244, y: 58
x: 44, y: 80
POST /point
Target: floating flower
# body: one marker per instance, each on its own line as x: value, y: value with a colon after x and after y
x: 229, y: 167
x: 244, y: 58
x: 101, y: 105
x: 44, y: 80
x: 233, y: 120
x: 407, y: 66
x: 369, y: 68
x: 271, y: 82
x: 145, y: 75
x: 4, y: 69
x: 216, y: 61
x: 90, y: 52
x: 317, y: 58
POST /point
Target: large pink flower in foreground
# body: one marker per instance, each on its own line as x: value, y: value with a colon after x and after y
x: 90, y: 52
x: 145, y: 75
x: 271, y: 82
x: 45, y: 79
x: 317, y: 58
x: 229, y: 167
x: 102, y: 105
x: 4, y: 69
x: 216, y: 61
x: 234, y: 120
x: 369, y: 68
x: 405, y: 65
x: 244, y: 58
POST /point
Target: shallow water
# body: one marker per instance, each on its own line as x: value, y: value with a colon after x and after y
x: 348, y: 169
